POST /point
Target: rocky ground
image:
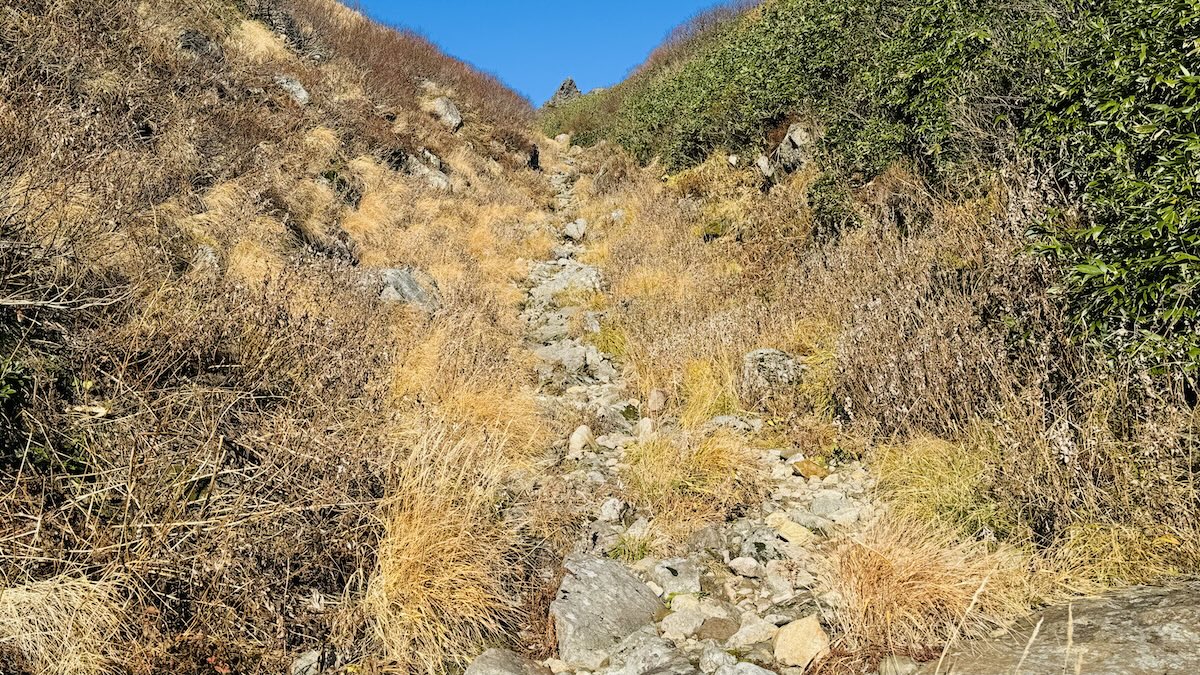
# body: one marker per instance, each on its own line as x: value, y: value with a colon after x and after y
x: 742, y: 598
x: 743, y: 595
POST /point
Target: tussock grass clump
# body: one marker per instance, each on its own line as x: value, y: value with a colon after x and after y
x: 950, y: 484
x: 692, y: 482
x: 443, y: 586
x: 63, y: 626
x: 709, y: 389
x: 907, y: 584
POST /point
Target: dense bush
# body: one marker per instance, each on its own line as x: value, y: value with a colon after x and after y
x: 1099, y: 91
x: 1119, y: 122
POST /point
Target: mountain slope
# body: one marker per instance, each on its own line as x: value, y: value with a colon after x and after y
x: 252, y: 281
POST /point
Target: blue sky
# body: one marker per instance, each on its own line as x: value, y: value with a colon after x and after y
x: 532, y: 46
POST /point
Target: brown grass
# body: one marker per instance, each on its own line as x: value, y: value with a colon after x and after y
x: 395, y: 61
x: 203, y: 394
x: 906, y: 585
x: 448, y: 562
x: 936, y: 348
x: 63, y: 626
x: 695, y: 481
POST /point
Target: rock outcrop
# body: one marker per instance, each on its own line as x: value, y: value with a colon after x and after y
x: 767, y: 373
x: 567, y: 91
x: 447, y: 113
x: 410, y: 286
x: 599, y: 604
x: 1137, y: 631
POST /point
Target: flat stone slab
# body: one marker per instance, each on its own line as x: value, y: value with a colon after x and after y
x: 1137, y: 631
x: 599, y: 604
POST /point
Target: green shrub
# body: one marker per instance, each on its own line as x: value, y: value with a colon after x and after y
x: 1119, y: 122
x: 1100, y: 91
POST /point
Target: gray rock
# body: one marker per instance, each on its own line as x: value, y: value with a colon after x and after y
x: 294, y: 89
x: 315, y: 662
x: 580, y: 440
x: 678, y: 575
x: 680, y: 625
x: 828, y: 502
x: 811, y: 521
x: 760, y: 543
x: 504, y: 662
x: 1137, y: 631
x: 433, y: 177
x: 447, y: 113
x: 574, y: 361
x: 706, y: 539
x: 611, y: 510
x: 598, y: 605
x: 567, y: 91
x: 576, y: 229
x: 409, y: 285
x: 797, y: 148
x: 713, y: 658
x: 801, y: 642
x: 898, y: 665
x: 754, y: 630
x: 746, y: 567
x: 643, y: 653
x: 768, y: 372
x: 763, y: 163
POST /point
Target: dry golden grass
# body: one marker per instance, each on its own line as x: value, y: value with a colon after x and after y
x: 208, y: 395
x: 949, y: 484
x: 908, y: 585
x: 708, y: 389
x: 443, y: 587
x: 924, y: 319
x: 257, y: 44
x: 692, y: 482
x: 63, y: 626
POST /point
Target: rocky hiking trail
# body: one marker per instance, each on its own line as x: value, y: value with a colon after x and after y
x: 742, y: 588
x: 742, y: 598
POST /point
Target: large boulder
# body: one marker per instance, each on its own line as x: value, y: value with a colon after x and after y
x: 504, y: 662
x: 410, y: 286
x: 1137, y: 631
x: 767, y: 373
x: 447, y: 113
x: 567, y: 91
x: 598, y: 605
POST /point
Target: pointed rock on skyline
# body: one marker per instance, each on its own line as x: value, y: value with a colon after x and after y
x: 567, y: 91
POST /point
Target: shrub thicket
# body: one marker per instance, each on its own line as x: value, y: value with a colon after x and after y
x: 1101, y: 92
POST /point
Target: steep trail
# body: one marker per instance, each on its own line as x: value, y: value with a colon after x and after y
x: 747, y: 586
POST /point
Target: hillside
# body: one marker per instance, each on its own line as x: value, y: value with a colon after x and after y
x: 258, y: 312
x: 839, y: 338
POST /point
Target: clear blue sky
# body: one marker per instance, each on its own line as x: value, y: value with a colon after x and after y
x: 533, y: 45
